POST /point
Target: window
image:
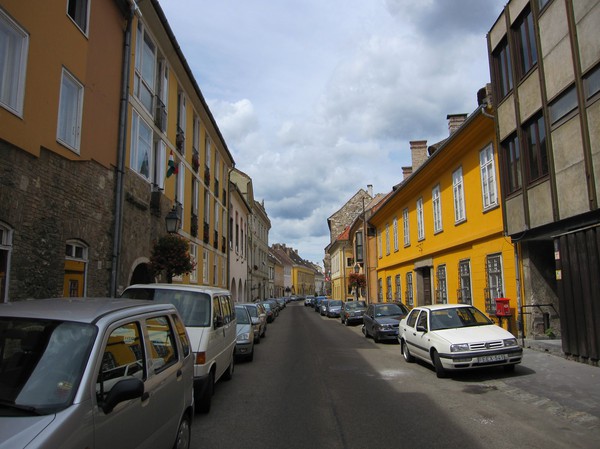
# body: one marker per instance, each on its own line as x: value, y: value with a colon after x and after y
x: 437, y: 208
x: 464, y: 273
x: 206, y: 207
x: 78, y: 11
x: 205, y: 267
x: 123, y: 357
x: 208, y: 151
x: 379, y: 244
x: 488, y: 177
x: 181, y: 122
x: 379, y: 290
x: 459, y: 196
x: 420, y: 220
x: 441, y: 292
x: 395, y: 233
x: 163, y: 348
x: 14, y: 45
x: 194, y: 257
x: 5, y: 252
x: 409, y: 289
x: 358, y: 250
x: 562, y: 105
x: 494, y: 281
x: 535, y: 148
x: 525, y: 42
x: 141, y: 146
x: 161, y: 108
x: 70, y: 111
x: 145, y: 68
x: 387, y: 239
x: 183, y: 337
x: 512, y: 164
x: 398, y: 295
x: 388, y: 293
x: 406, y: 225
x: 591, y: 82
x: 502, y: 70
x: 160, y: 156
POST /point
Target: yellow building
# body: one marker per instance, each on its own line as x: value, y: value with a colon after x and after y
x: 440, y: 233
x: 342, y: 264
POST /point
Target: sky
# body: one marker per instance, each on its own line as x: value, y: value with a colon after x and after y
x: 317, y: 99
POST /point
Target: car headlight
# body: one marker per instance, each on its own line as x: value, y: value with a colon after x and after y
x: 459, y: 347
x: 510, y: 342
x: 243, y: 337
x: 385, y: 326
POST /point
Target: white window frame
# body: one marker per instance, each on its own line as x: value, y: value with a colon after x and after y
x: 420, y: 220
x: 395, y: 228
x: 194, y: 257
x: 458, y: 190
x: 207, y: 144
x: 406, y: 226
x: 70, y: 112
x: 143, y: 51
x: 160, y: 166
x: 387, y: 239
x: 205, y: 266
x: 379, y: 244
x: 13, y: 64
x: 138, y: 144
x: 436, y: 201
x: 489, y: 190
x: 181, y: 190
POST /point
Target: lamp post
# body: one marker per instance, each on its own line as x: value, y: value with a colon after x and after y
x: 172, y: 221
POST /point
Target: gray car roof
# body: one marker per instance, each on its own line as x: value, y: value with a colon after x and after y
x: 84, y: 310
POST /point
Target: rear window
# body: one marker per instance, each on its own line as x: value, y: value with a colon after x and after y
x: 194, y: 307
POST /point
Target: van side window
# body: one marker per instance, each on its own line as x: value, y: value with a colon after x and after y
x: 163, y: 347
x: 123, y: 357
x: 227, y: 308
x: 183, y: 337
x: 217, y: 313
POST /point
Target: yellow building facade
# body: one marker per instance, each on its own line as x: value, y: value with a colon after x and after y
x: 440, y: 232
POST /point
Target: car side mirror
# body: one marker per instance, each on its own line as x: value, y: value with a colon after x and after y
x: 123, y: 390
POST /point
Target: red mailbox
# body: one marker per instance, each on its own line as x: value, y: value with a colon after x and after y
x: 503, y: 307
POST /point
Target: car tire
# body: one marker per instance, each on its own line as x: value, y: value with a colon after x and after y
x: 406, y: 353
x: 440, y: 371
x: 203, y: 402
x: 251, y: 356
x: 376, y: 337
x: 346, y: 323
x: 228, y: 374
x: 365, y: 332
x: 184, y: 434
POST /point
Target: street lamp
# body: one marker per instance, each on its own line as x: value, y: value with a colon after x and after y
x: 172, y: 221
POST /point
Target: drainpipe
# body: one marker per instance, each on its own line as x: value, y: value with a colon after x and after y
x: 118, y: 224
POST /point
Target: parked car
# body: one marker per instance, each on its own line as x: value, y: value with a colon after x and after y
x: 282, y: 303
x: 89, y: 372
x: 352, y: 312
x: 308, y: 300
x: 456, y: 337
x: 381, y: 320
x: 258, y: 312
x: 209, y: 317
x: 323, y: 307
x: 244, y: 342
x: 269, y: 309
x: 334, y: 308
x: 317, y: 303
x: 275, y: 306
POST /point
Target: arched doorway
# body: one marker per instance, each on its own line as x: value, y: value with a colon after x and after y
x: 142, y: 275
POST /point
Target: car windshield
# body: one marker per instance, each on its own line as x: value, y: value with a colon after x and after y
x: 335, y: 303
x: 41, y: 364
x: 457, y: 317
x: 389, y: 310
x: 253, y: 311
x: 241, y: 315
x: 194, y: 307
x: 355, y: 305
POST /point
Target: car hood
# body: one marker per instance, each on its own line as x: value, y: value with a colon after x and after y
x: 474, y: 334
x: 243, y: 328
x: 394, y: 319
x: 18, y: 432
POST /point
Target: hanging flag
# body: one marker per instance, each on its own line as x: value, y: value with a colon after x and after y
x: 171, y: 166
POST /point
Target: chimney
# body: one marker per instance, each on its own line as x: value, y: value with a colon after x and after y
x: 418, y: 151
x: 455, y: 121
x: 406, y: 172
x: 370, y: 190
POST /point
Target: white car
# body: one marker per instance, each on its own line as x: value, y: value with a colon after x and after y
x: 456, y: 337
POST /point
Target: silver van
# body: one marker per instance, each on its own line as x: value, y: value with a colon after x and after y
x: 101, y: 373
x: 209, y: 317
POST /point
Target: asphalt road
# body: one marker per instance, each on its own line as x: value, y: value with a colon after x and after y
x: 315, y: 383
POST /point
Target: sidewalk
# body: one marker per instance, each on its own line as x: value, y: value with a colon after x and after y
x: 546, y: 378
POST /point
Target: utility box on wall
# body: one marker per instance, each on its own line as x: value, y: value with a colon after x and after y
x: 503, y: 307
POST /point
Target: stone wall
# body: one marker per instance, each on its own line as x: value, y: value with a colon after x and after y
x: 47, y: 201
x: 347, y: 214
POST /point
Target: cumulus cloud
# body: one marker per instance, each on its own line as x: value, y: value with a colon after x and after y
x: 318, y: 99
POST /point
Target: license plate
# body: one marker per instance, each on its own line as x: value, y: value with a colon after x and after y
x: 492, y: 358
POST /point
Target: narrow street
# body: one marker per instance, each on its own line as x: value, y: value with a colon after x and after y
x: 315, y: 383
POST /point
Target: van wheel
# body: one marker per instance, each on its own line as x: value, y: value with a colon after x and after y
x: 203, y: 402
x: 184, y: 434
x: 228, y: 374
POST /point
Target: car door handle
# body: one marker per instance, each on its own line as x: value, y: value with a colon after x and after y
x: 179, y: 373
